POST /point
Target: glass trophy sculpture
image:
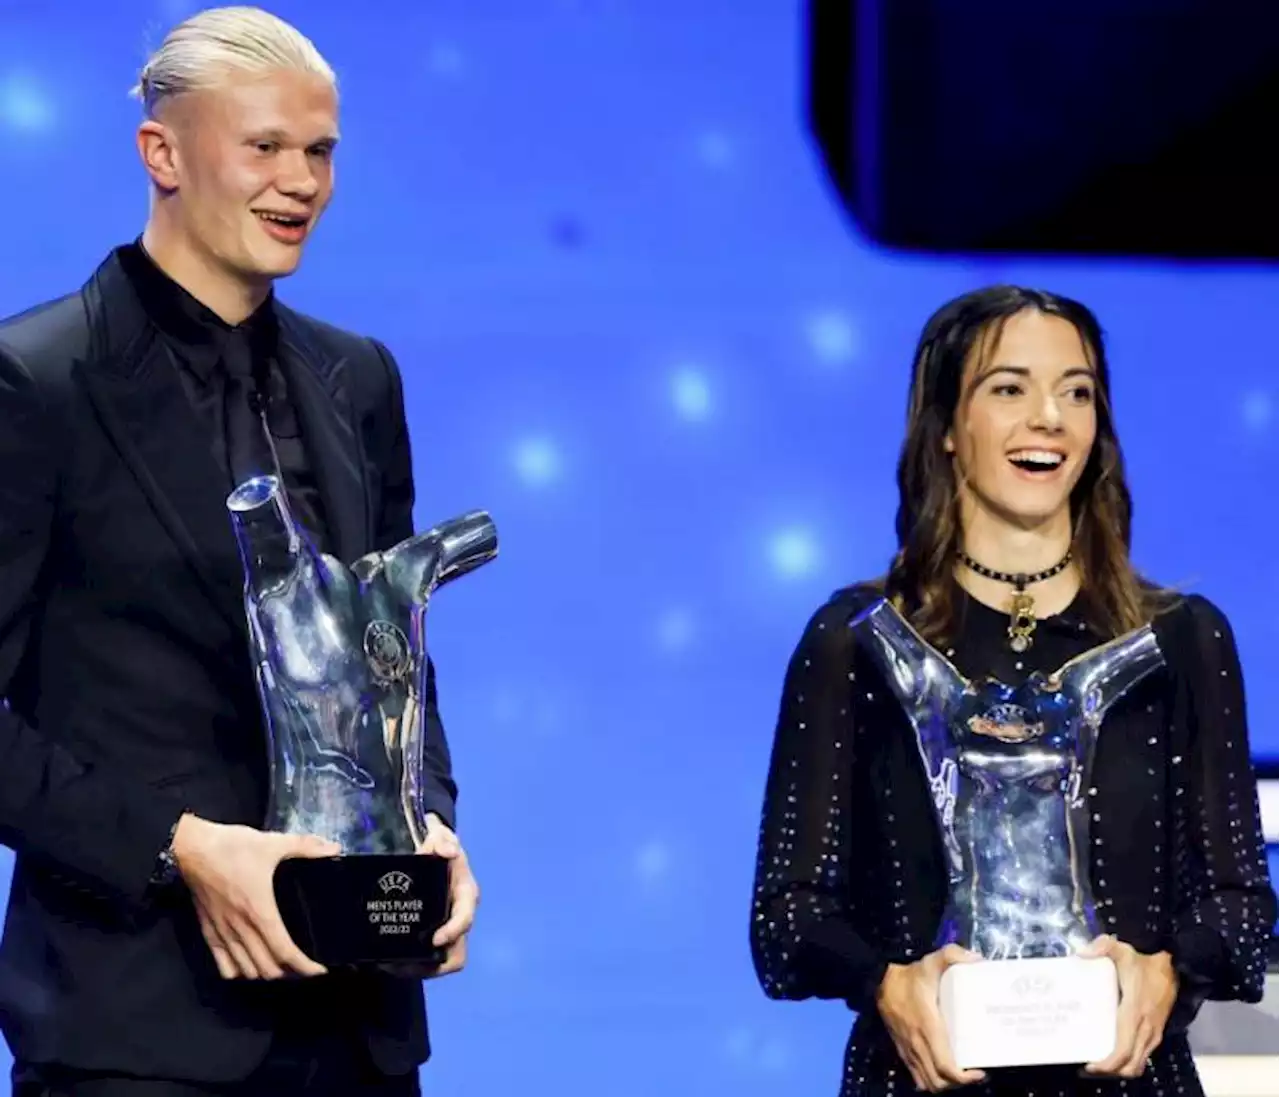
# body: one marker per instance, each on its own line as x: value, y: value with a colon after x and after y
x: 1009, y: 771
x: 341, y: 665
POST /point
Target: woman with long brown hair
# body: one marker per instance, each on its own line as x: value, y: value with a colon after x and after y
x: 1013, y: 532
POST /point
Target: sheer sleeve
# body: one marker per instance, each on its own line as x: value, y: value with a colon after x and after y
x: 1226, y: 909
x: 803, y: 940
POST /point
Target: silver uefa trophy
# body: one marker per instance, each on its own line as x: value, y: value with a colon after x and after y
x: 1009, y: 772
x: 341, y: 664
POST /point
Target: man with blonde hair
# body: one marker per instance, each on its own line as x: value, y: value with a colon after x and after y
x: 143, y: 954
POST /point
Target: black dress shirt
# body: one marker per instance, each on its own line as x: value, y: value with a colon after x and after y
x: 198, y: 341
x: 851, y: 876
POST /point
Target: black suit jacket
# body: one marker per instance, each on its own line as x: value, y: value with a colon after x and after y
x: 128, y: 692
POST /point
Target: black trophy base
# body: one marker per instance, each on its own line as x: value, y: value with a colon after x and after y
x: 365, y: 910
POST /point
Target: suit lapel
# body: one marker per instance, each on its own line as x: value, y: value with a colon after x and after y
x: 134, y: 387
x: 317, y: 386
x: 142, y: 406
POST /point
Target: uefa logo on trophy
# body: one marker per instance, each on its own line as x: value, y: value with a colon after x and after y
x: 340, y: 658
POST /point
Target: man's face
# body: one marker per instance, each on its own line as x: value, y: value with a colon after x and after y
x: 251, y: 168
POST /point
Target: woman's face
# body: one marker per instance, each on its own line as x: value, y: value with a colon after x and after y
x: 1026, y: 421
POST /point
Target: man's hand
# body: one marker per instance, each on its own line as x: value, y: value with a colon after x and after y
x: 229, y: 871
x: 1148, y: 989
x: 908, y: 1003
x: 464, y: 896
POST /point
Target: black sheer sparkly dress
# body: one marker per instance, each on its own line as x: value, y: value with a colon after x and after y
x: 850, y: 874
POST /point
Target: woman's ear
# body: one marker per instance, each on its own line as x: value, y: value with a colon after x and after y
x: 948, y: 445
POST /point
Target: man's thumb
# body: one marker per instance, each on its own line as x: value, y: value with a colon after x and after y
x: 311, y: 845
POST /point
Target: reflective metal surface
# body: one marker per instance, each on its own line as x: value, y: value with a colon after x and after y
x: 1009, y: 770
x: 340, y: 657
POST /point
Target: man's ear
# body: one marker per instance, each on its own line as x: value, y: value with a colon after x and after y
x: 159, y: 154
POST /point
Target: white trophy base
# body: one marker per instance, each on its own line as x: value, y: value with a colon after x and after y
x: 1015, y: 1013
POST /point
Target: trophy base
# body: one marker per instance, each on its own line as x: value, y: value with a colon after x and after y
x: 1018, y: 1013
x: 365, y: 910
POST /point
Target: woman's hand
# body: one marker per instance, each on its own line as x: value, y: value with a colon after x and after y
x: 908, y: 1003
x: 1148, y: 989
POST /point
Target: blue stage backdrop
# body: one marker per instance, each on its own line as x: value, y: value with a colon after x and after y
x: 635, y: 325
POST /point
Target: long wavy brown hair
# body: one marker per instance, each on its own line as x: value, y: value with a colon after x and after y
x: 921, y: 579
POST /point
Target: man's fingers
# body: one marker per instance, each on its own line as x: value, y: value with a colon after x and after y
x: 291, y: 955
x: 247, y: 950
x: 240, y: 958
x: 283, y: 948
x: 449, y: 967
x: 450, y: 932
x: 264, y: 963
x: 221, y: 957
x: 271, y: 926
x: 455, y: 960
x: 440, y: 843
x: 308, y: 845
x: 440, y: 839
x: 464, y: 895
x: 464, y: 898
x: 226, y: 966
x: 238, y: 963
x: 462, y: 915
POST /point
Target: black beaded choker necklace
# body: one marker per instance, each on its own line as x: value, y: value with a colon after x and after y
x: 1022, y: 617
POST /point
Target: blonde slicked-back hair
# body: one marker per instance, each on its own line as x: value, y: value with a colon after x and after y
x: 202, y: 50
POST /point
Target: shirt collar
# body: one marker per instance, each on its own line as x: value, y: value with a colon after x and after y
x: 198, y: 333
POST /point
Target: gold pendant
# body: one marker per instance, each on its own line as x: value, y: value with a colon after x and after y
x: 1022, y: 621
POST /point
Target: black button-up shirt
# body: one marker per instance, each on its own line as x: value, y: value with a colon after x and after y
x: 196, y: 337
